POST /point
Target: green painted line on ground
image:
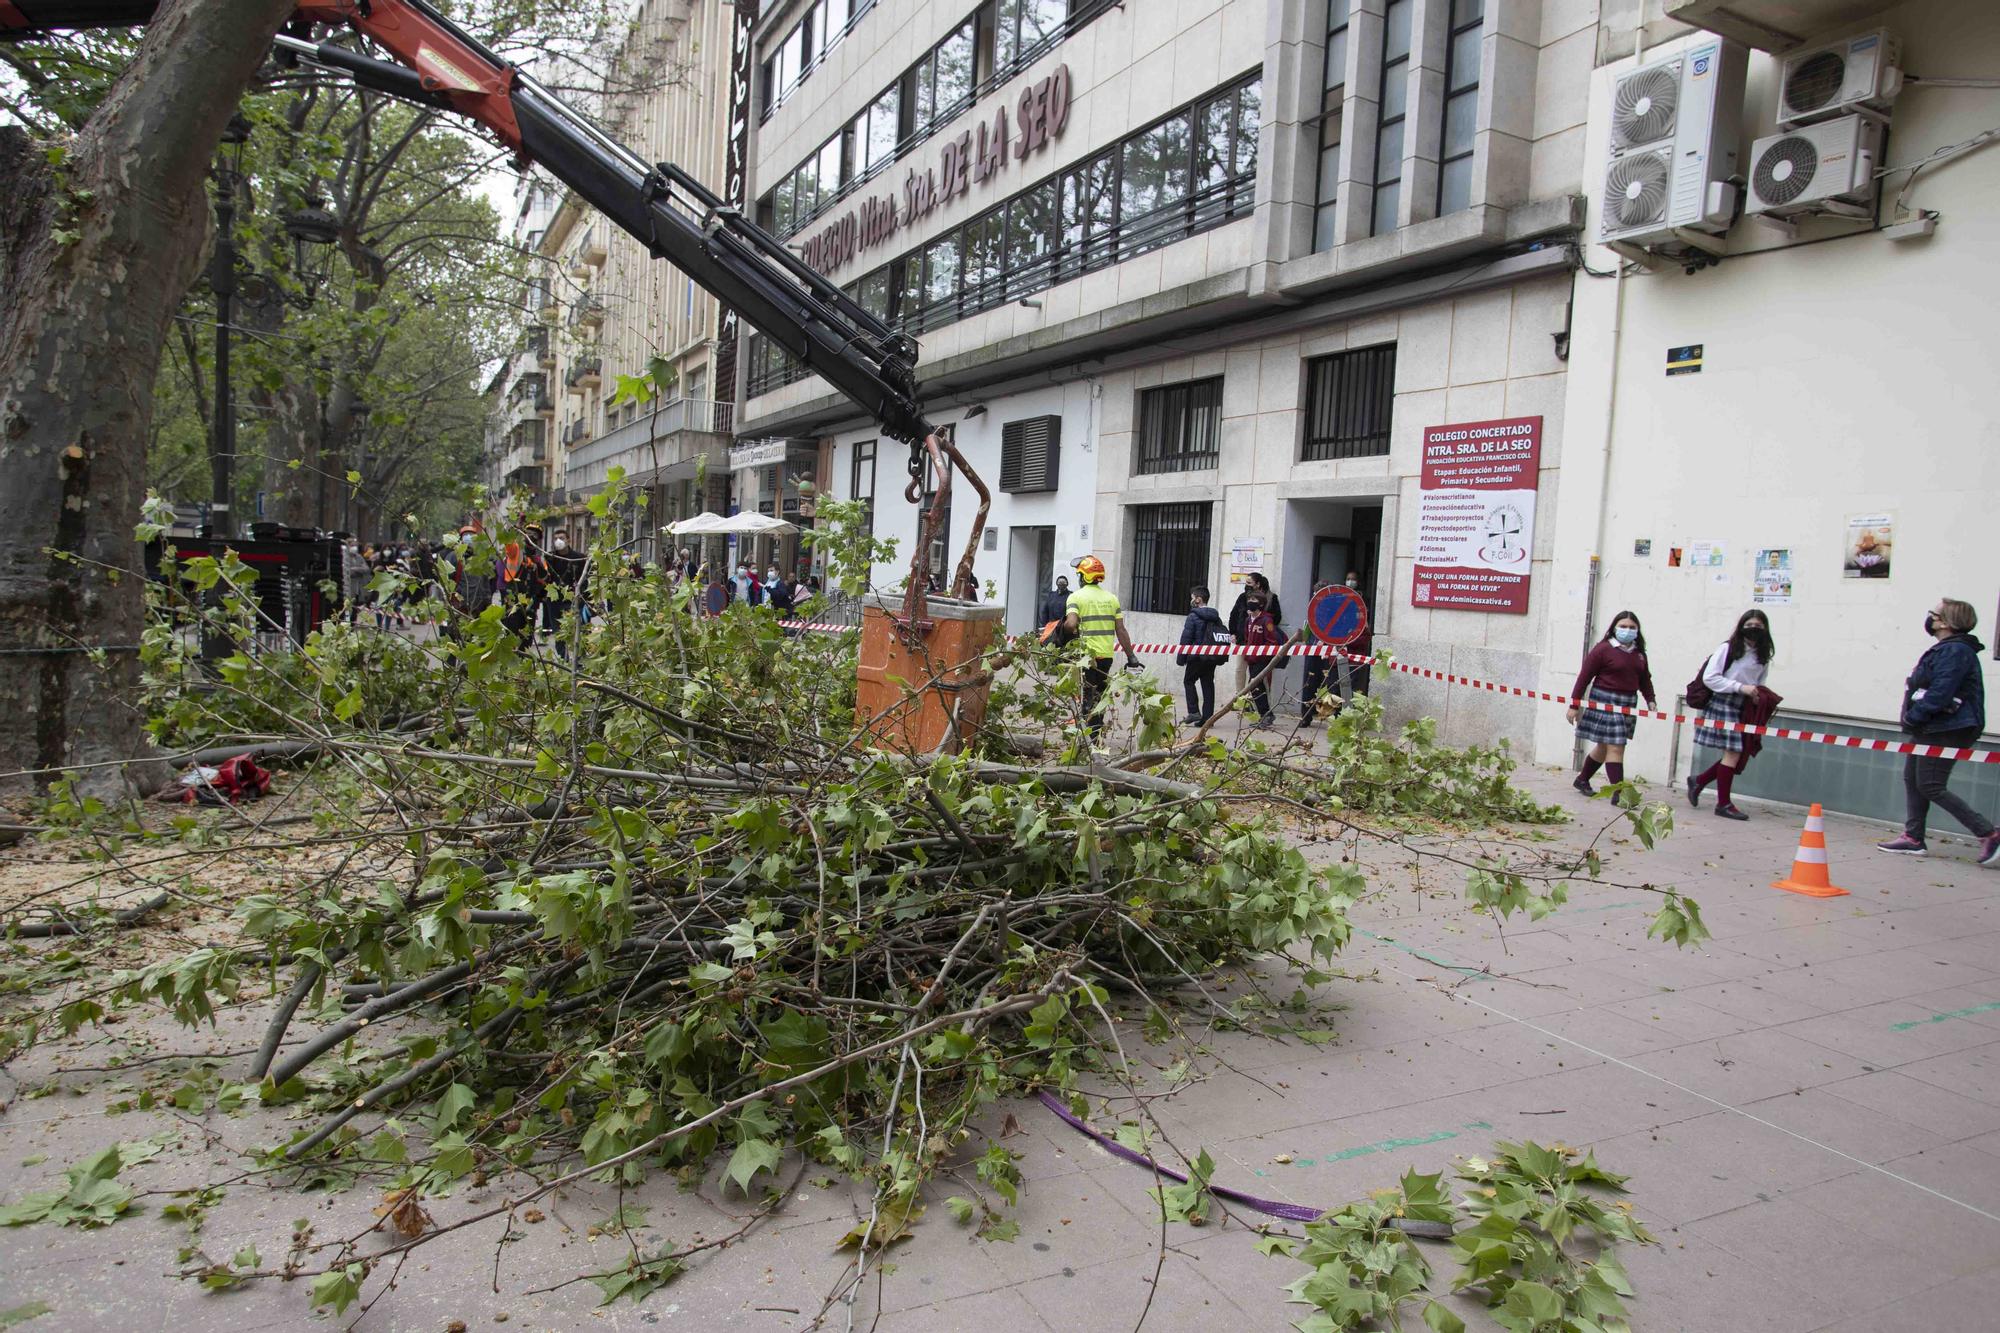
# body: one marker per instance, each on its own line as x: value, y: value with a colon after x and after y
x: 1385, y: 1145
x: 1480, y: 973
x: 1939, y: 1018
x: 1608, y: 907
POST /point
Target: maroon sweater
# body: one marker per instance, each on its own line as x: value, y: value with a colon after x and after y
x: 1620, y: 670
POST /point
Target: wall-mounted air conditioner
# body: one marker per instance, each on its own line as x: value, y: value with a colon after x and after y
x: 1855, y: 74
x: 1826, y: 167
x: 1675, y: 127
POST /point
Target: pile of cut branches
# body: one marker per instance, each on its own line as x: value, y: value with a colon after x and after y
x: 642, y: 897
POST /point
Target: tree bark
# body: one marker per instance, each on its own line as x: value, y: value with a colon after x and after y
x: 96, y: 252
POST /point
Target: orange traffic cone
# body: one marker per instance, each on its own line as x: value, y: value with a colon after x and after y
x: 1809, y: 866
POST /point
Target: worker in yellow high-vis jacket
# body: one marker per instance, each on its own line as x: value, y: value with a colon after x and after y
x: 1098, y: 622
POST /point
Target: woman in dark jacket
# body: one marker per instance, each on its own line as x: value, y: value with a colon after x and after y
x: 1944, y: 703
x: 1254, y: 585
x: 1202, y: 627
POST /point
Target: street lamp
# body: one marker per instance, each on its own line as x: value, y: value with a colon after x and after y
x: 222, y: 280
x: 312, y: 225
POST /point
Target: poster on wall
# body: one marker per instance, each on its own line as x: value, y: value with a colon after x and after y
x: 1246, y: 557
x: 1476, y: 516
x: 1869, y: 542
x: 1771, y: 580
x: 1707, y: 555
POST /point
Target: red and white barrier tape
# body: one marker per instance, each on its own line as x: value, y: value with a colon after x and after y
x: 1969, y: 756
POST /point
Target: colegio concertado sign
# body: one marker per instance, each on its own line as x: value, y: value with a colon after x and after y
x: 976, y: 156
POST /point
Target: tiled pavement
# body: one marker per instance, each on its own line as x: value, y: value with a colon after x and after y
x: 1809, y: 1108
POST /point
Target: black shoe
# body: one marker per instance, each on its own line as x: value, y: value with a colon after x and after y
x: 1730, y: 812
x: 1582, y: 784
x: 1190, y: 721
x: 1694, y: 792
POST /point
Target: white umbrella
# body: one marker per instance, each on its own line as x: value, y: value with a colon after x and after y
x: 700, y: 523
x: 754, y: 525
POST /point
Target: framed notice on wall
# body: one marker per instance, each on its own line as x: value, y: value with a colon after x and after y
x: 1476, y: 516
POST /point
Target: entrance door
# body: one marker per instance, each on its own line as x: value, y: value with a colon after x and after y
x: 1031, y: 562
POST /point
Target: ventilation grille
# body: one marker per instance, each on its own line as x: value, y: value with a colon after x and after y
x: 1030, y: 455
x: 1815, y: 82
x: 1643, y: 108
x: 1785, y: 170
x: 1635, y: 191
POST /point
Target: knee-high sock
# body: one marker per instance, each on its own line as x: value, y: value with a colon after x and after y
x: 1723, y: 780
x: 1616, y: 772
x: 1590, y: 766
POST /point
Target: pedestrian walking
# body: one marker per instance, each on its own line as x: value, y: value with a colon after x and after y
x: 1944, y: 703
x: 781, y: 593
x: 1055, y: 604
x: 1095, y: 617
x: 1614, y: 674
x: 1202, y: 628
x: 1365, y: 645
x: 354, y: 575
x: 568, y: 571
x: 1734, y: 673
x: 1322, y: 673
x: 1254, y: 585
x: 1262, y: 629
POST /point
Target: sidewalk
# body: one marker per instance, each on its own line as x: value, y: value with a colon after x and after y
x: 1809, y: 1109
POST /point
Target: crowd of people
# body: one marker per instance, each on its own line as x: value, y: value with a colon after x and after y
x: 536, y: 579
x: 1943, y: 705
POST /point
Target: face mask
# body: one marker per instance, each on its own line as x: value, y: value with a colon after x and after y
x: 1625, y: 634
x: 562, y: 543
x: 1930, y: 624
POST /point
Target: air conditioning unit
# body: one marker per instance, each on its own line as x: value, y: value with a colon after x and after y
x: 1860, y: 73
x: 1675, y: 126
x: 1827, y: 167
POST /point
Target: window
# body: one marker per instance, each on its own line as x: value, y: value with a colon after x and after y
x: 938, y: 558
x: 1152, y: 179
x: 1332, y: 116
x: 861, y: 481
x: 1395, y: 108
x: 1349, y: 400
x: 1194, y: 170
x: 1461, y: 105
x: 1169, y: 555
x: 803, y: 48
x: 1023, y: 29
x: 1180, y: 427
x: 1030, y: 458
x: 878, y: 146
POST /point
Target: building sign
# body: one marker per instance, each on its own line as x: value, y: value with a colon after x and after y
x: 974, y: 157
x: 1684, y: 360
x: 735, y: 176
x: 754, y: 454
x: 1476, y: 516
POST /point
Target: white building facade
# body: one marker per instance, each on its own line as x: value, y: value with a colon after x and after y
x: 1193, y: 278
x: 1834, y: 379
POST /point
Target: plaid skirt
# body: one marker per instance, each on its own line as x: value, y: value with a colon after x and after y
x: 1594, y: 727
x: 1721, y: 708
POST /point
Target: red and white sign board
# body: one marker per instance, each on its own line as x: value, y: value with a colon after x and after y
x: 1476, y: 516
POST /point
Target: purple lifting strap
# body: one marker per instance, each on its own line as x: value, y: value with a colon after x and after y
x: 1293, y: 1212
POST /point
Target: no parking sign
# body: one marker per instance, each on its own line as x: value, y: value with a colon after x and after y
x: 1337, y: 616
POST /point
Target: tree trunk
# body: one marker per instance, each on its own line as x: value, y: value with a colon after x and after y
x: 96, y: 252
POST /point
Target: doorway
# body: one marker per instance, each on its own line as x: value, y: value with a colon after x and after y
x: 1031, y: 568
x: 1325, y: 540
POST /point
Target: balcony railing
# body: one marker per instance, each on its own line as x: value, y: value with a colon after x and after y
x: 592, y: 250
x: 673, y: 434
x: 588, y: 312
x: 587, y: 373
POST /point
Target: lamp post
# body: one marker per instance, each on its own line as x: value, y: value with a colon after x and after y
x: 222, y: 280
